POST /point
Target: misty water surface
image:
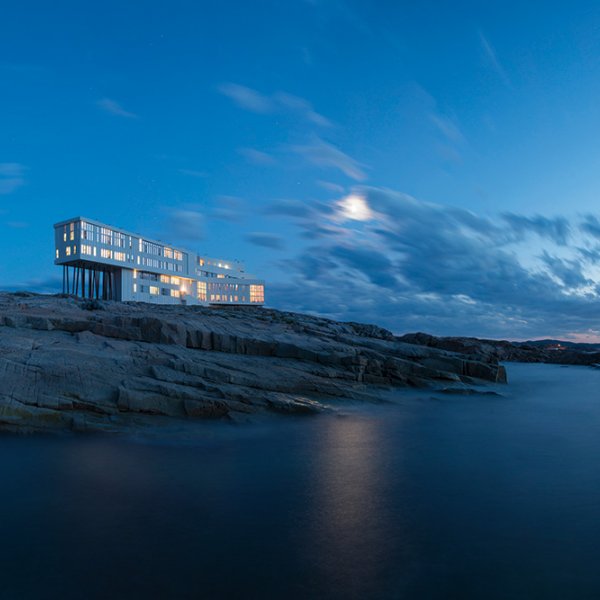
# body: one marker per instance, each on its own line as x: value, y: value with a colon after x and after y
x: 431, y: 497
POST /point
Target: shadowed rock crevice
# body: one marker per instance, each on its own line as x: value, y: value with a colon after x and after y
x: 65, y: 364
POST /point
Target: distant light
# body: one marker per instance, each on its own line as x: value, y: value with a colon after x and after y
x: 355, y: 207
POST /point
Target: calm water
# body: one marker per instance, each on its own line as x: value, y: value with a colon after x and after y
x: 454, y: 497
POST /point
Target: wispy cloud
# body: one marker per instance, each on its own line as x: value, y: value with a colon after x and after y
x: 12, y: 177
x: 282, y: 102
x: 492, y: 58
x: 247, y: 98
x: 114, y: 108
x: 290, y: 208
x: 257, y: 157
x: 267, y: 240
x: 330, y: 186
x: 302, y: 107
x: 323, y: 154
x: 447, y: 127
x: 183, y: 224
x: 228, y: 208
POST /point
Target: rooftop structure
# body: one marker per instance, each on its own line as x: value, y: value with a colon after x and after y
x: 101, y: 261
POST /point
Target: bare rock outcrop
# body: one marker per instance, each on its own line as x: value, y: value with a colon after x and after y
x: 70, y: 364
x: 542, y: 351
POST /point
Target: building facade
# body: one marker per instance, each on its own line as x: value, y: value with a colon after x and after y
x: 104, y: 262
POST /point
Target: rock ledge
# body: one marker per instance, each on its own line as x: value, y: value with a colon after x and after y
x: 67, y: 364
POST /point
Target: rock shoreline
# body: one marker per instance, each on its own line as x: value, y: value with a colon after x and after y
x: 68, y: 364
x: 505, y: 351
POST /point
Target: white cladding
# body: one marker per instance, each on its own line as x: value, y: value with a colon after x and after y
x: 146, y: 270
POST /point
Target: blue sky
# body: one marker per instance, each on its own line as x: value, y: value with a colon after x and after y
x: 426, y: 166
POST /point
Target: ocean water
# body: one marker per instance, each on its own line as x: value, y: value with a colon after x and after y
x: 430, y: 496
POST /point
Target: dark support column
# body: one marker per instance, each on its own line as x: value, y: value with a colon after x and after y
x: 104, y: 284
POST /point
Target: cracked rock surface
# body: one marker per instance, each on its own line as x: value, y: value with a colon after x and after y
x: 69, y: 364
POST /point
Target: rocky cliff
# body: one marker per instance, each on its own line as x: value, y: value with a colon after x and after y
x: 72, y: 364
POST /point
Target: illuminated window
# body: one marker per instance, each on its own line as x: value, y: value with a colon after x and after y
x: 168, y: 253
x: 175, y: 281
x: 119, y: 239
x: 68, y: 251
x: 202, y: 291
x: 175, y: 293
x: 106, y: 236
x: 135, y: 287
x: 57, y: 253
x: 165, y: 279
x: 154, y: 290
x: 104, y: 253
x: 119, y: 256
x: 257, y: 293
x: 87, y: 231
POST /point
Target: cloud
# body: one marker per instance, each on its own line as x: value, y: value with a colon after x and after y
x: 568, y: 272
x: 557, y: 229
x: 282, y: 102
x: 330, y: 187
x: 302, y: 107
x: 291, y: 208
x: 184, y: 225
x: 591, y: 226
x: 256, y: 157
x: 416, y: 265
x: 12, y: 177
x: 448, y: 127
x: 228, y: 208
x: 267, y: 240
x: 114, y: 108
x: 247, y: 98
x: 493, y: 60
x: 323, y: 154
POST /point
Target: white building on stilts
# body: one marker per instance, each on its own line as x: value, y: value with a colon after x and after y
x: 104, y: 262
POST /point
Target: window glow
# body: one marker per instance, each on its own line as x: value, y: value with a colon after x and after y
x: 257, y: 293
